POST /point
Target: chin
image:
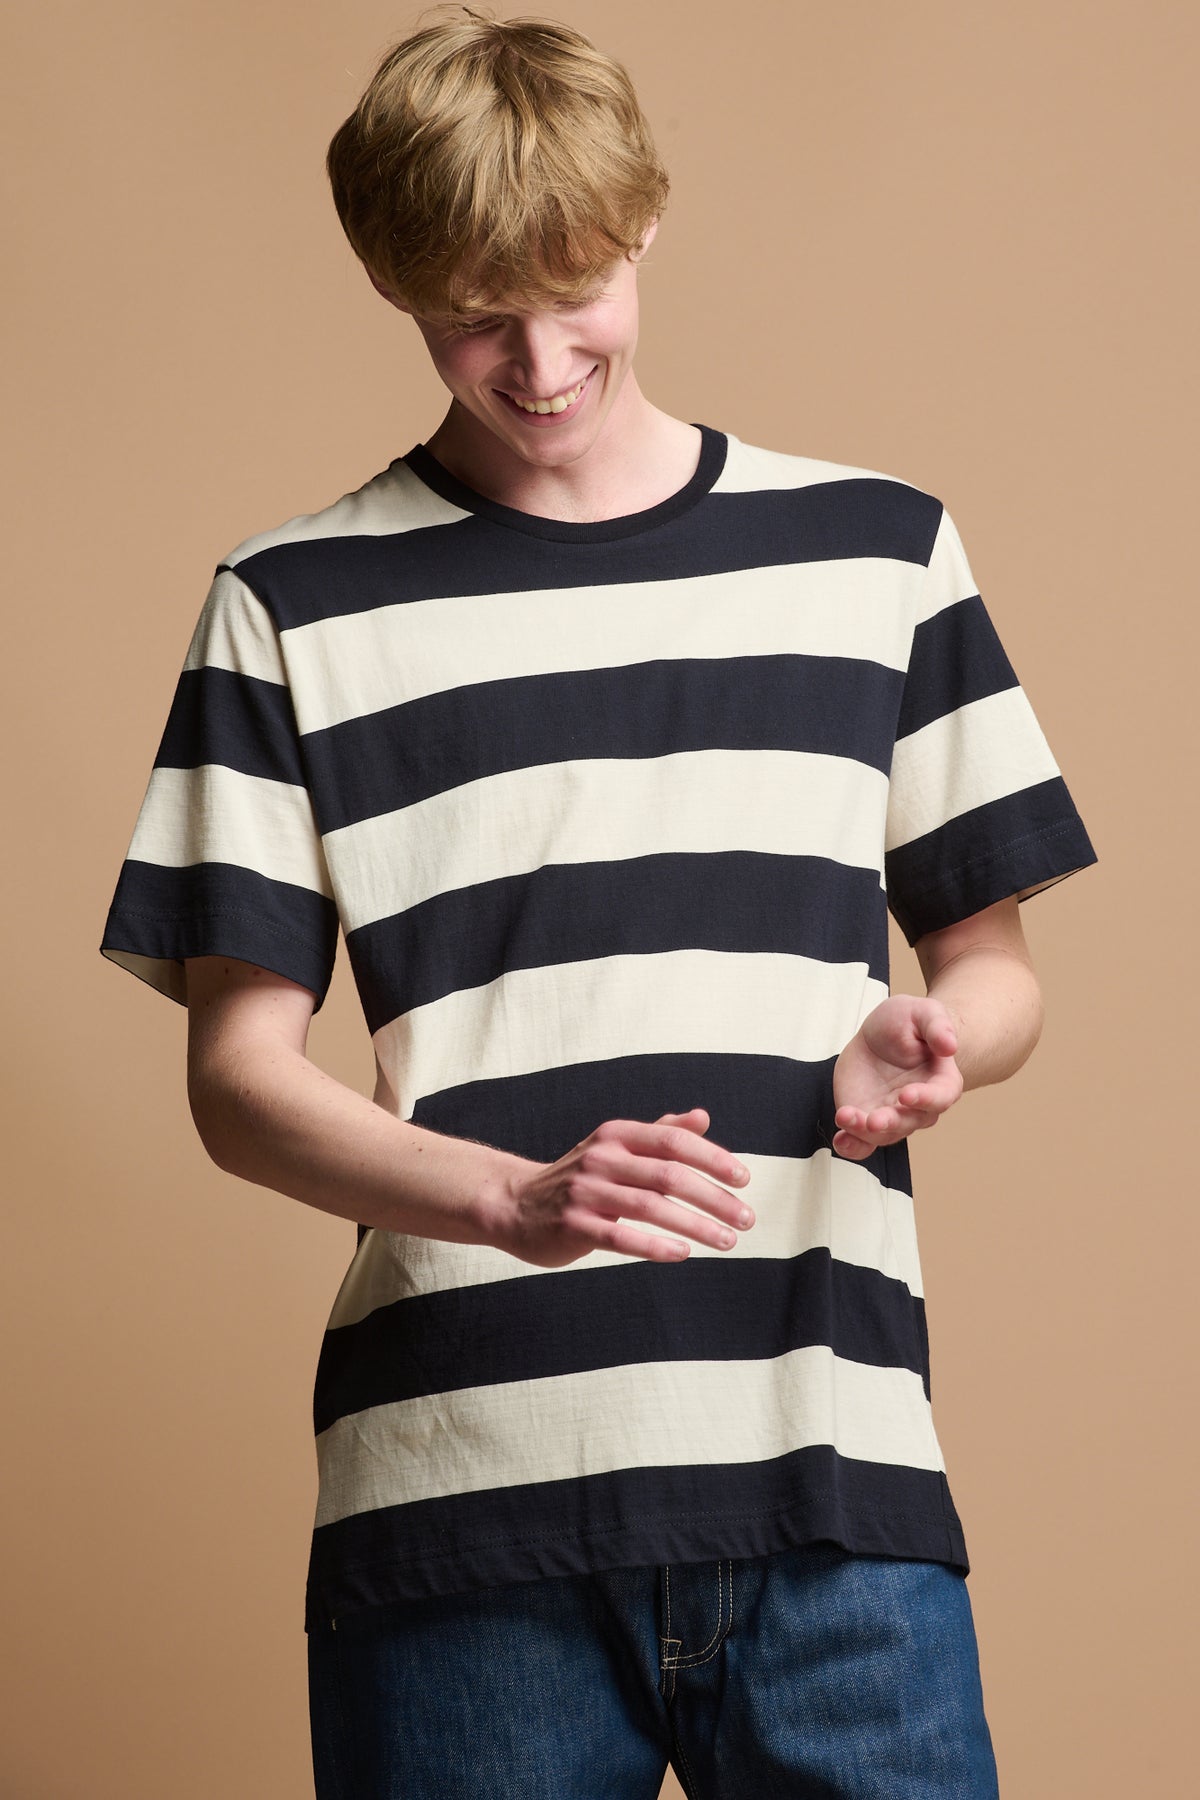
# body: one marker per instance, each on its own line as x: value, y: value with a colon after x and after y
x: 541, y: 444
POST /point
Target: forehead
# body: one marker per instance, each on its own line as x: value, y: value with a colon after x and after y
x: 484, y: 300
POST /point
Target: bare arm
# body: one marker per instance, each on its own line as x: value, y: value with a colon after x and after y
x: 982, y: 973
x: 268, y: 1114
x: 914, y: 1057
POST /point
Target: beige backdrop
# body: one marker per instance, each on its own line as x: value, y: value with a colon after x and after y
x: 945, y: 241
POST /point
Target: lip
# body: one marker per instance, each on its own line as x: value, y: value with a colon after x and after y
x: 541, y: 421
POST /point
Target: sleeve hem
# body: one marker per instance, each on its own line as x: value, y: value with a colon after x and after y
x: 154, y: 946
x: 1026, y: 865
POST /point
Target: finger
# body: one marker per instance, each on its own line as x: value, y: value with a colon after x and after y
x: 878, y: 1121
x: 673, y: 1181
x: 914, y: 1097
x: 606, y: 1163
x: 626, y: 1240
x: 918, y: 1120
x: 647, y: 1206
x: 850, y: 1118
x: 852, y: 1148
x: 923, y: 1101
x: 696, y: 1120
x: 870, y: 1127
x: 674, y: 1142
x: 877, y: 1129
x: 931, y: 1096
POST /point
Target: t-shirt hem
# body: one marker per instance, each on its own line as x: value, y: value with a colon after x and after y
x: 364, y: 1587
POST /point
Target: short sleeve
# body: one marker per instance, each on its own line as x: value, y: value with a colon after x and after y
x: 226, y: 858
x: 977, y: 806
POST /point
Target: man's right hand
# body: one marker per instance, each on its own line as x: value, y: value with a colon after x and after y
x: 558, y: 1212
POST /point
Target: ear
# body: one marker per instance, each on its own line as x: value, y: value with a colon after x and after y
x: 647, y: 239
x: 388, y: 295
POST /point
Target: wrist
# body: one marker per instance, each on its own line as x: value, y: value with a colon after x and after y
x: 495, y: 1200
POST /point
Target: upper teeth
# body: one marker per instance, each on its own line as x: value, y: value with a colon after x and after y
x: 559, y: 403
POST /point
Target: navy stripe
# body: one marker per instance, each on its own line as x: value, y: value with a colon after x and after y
x: 629, y: 1518
x: 707, y: 1309
x: 220, y: 909
x: 956, y: 658
x: 218, y: 716
x: 1033, y: 836
x: 764, y: 1105
x: 830, y: 705
x: 736, y: 901
x: 323, y: 578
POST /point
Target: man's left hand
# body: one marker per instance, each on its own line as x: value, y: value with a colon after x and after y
x: 897, y: 1075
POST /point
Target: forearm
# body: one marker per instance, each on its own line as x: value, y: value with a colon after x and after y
x: 996, y: 1004
x: 271, y: 1116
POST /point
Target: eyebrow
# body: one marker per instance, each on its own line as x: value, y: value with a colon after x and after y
x: 598, y: 283
x: 500, y: 312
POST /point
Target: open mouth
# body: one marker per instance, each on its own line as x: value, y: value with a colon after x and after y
x: 550, y: 412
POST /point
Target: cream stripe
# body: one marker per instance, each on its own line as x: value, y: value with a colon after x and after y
x: 820, y: 1202
x: 235, y: 631
x: 348, y: 667
x: 215, y: 814
x: 640, y: 1415
x: 749, y: 469
x: 785, y: 802
x: 710, y: 1002
x: 392, y: 501
x: 984, y: 751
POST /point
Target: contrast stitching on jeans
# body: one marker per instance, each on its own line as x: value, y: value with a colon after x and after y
x: 666, y: 1660
x: 668, y: 1663
x: 714, y: 1643
x: 693, y: 1790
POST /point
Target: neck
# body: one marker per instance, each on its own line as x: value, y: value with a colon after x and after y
x: 640, y: 457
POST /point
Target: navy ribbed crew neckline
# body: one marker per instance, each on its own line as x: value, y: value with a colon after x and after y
x: 714, y: 447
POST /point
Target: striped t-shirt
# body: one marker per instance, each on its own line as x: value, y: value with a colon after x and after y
x: 610, y: 816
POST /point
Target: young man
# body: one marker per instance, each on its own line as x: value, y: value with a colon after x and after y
x: 607, y: 740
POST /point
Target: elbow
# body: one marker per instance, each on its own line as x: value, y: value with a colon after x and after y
x: 212, y: 1115
x: 1033, y: 1019
x: 210, y: 1136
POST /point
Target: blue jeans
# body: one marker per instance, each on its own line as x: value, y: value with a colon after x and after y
x: 809, y: 1673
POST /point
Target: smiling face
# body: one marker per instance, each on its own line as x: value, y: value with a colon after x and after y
x: 538, y: 383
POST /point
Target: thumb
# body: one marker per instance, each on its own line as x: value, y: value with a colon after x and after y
x: 938, y: 1029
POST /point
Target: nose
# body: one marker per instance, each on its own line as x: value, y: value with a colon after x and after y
x: 540, y: 355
